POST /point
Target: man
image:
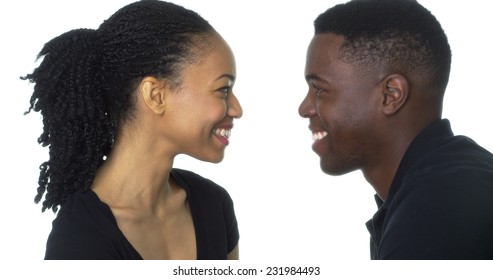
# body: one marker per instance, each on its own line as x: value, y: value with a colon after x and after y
x: 377, y: 71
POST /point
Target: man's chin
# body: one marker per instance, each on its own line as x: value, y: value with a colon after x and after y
x: 334, y: 170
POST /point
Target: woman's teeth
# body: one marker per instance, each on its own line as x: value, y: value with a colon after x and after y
x: 226, y: 133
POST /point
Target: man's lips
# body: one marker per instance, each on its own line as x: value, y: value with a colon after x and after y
x: 317, y: 134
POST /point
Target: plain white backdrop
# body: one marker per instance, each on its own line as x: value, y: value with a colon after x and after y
x: 289, y: 212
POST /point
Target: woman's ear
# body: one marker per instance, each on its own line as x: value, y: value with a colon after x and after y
x: 153, y: 92
x: 395, y: 92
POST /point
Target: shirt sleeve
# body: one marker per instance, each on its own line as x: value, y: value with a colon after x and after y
x: 231, y: 222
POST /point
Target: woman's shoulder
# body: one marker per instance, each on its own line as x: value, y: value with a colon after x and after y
x: 197, y: 184
x: 84, y: 205
x: 81, y: 229
x: 75, y: 229
x: 81, y: 212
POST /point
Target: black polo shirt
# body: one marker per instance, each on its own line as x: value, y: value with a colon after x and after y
x: 440, y: 203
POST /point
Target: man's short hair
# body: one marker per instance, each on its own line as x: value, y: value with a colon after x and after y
x: 397, y: 36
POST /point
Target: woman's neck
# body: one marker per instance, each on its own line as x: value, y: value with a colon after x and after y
x: 136, y: 174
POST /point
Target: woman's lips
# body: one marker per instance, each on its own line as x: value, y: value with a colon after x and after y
x: 223, y: 134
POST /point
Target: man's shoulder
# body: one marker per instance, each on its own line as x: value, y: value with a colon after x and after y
x: 443, y: 210
x: 456, y: 159
x: 455, y: 178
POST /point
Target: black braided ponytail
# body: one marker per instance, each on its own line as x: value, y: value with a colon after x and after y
x: 85, y: 83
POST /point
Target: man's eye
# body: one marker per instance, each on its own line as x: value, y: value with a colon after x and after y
x: 318, y: 91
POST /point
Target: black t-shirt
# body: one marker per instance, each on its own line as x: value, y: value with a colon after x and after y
x: 85, y: 228
x: 440, y: 203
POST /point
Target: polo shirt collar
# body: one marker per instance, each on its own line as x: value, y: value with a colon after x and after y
x: 424, y: 142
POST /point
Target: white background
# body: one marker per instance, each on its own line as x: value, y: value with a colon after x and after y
x: 289, y: 212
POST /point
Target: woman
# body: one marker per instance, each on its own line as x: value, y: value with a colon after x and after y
x: 118, y: 104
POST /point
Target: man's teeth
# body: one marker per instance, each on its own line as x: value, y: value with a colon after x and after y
x: 223, y: 132
x: 316, y: 136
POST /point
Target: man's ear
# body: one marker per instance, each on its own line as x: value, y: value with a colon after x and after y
x: 395, y: 92
x: 153, y: 92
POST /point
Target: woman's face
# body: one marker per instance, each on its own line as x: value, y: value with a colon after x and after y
x: 203, y: 106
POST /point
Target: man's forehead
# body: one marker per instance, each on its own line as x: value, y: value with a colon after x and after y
x: 325, y: 45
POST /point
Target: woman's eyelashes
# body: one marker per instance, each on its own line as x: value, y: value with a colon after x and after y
x: 225, y: 90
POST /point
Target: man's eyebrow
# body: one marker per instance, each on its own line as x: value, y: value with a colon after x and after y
x: 314, y: 77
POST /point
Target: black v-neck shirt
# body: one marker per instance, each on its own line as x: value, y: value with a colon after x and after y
x: 440, y: 203
x: 85, y: 228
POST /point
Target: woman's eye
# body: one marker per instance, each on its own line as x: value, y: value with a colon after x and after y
x: 225, y: 90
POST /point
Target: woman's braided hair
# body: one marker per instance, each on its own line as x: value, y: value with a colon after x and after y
x: 85, y: 83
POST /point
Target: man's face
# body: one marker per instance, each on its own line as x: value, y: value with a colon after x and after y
x: 341, y: 105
